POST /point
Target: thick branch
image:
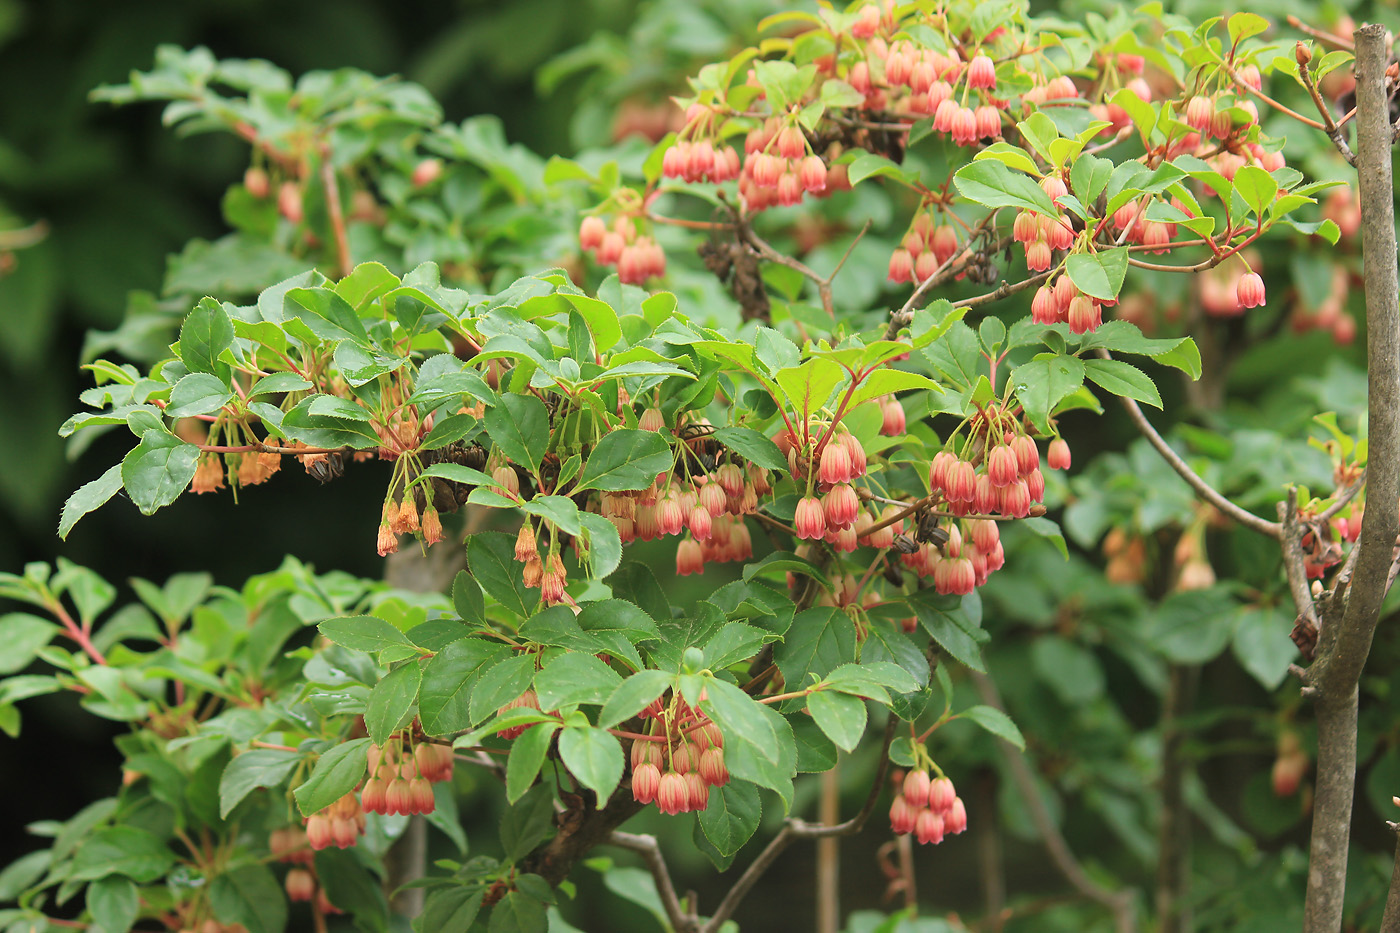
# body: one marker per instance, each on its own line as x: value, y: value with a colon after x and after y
x: 1390, y: 923
x: 1203, y: 489
x: 1343, y: 652
x: 1343, y: 644
x: 681, y: 922
x: 1122, y: 903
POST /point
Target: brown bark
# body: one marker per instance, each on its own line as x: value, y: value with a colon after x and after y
x: 1344, y: 639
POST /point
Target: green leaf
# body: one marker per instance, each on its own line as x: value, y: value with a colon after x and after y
x: 136, y: 853
x: 741, y: 716
x: 626, y: 459
x: 158, y: 469
x: 819, y: 641
x: 559, y: 510
x: 391, y: 701
x: 1089, y: 177
x: 527, y: 752
x: 259, y: 767
x: 1244, y: 25
x: 889, y: 381
x: 448, y: 683
x: 501, y: 683
x: 250, y: 895
x: 278, y: 383
x: 363, y: 633
x: 732, y: 816
x: 350, y: 886
x: 519, y: 426
x: 772, y: 766
x: 328, y: 315
x: 808, y: 387
x: 337, y: 771
x: 366, y: 282
x: 205, y: 334
x: 753, y: 447
x: 948, y: 625
x: 198, y: 394
x: 1257, y: 187
x: 632, y: 696
x: 996, y: 722
x: 518, y: 913
x: 24, y: 636
x: 594, y: 756
x: 1262, y: 646
x: 840, y: 715
x: 467, y: 599
x: 869, y: 165
x: 575, y: 678
x: 1124, y: 337
x: 1099, y: 274
x: 604, y: 544
x: 491, y: 557
x: 1011, y: 156
x: 870, y: 678
x: 1123, y: 379
x: 783, y: 562
x: 450, y: 909
x: 993, y: 185
x: 1042, y: 383
x: 114, y: 904
x: 735, y: 642
x: 88, y: 497
x: 601, y: 319
x: 527, y: 823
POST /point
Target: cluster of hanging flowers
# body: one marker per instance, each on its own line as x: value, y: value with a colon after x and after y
x: 930, y: 808
x: 682, y: 760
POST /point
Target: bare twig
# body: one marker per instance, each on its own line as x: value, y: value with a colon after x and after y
x: 1345, y: 496
x: 823, y: 282
x: 1329, y: 125
x: 1006, y: 288
x: 829, y: 856
x: 1203, y: 489
x: 795, y: 829
x: 23, y: 237
x: 645, y: 845
x: 1122, y: 903
x: 1344, y: 644
x: 342, y: 244
x: 1293, y: 559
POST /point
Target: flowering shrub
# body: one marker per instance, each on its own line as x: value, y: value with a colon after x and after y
x: 857, y: 466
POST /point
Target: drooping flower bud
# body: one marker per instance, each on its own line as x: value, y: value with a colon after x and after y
x: 646, y: 781
x: 941, y: 794
x: 810, y: 520
x: 841, y: 506
x: 981, y: 72
x: 955, y: 820
x: 928, y: 828
x: 1058, y: 455
x: 300, y: 885
x: 1249, y: 292
x: 902, y: 816
x: 690, y: 557
x: 672, y: 794
x: 916, y: 786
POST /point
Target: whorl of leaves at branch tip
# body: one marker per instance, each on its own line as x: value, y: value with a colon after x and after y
x: 579, y: 422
